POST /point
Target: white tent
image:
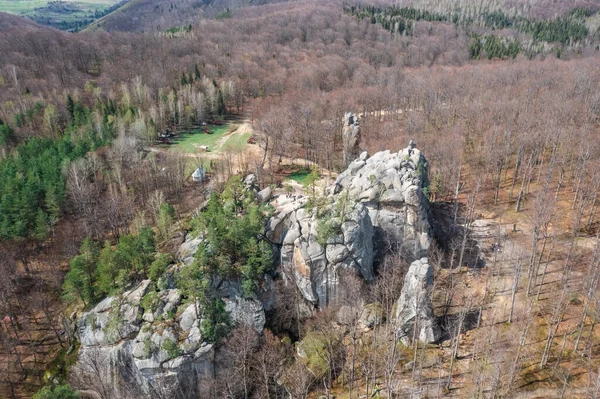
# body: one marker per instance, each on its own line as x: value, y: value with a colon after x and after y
x: 199, y: 175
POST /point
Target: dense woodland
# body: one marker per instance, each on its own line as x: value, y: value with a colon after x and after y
x: 504, y: 101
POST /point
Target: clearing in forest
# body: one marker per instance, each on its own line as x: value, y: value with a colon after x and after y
x: 220, y: 138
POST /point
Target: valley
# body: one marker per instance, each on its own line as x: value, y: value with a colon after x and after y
x: 66, y: 15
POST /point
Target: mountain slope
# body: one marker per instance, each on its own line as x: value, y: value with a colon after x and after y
x: 156, y: 15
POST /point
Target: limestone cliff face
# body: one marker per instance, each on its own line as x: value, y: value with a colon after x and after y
x: 390, y: 185
x: 313, y: 262
x: 159, y: 352
x: 376, y: 202
x: 351, y: 137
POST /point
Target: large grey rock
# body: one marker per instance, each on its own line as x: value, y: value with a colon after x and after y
x: 314, y: 267
x: 414, y: 309
x: 146, y: 358
x: 163, y: 352
x: 376, y: 203
x: 351, y: 137
x: 188, y: 249
x: 264, y: 195
x: 246, y: 311
x: 391, y: 186
x: 114, y: 319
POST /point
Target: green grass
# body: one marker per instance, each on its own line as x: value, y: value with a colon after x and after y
x: 237, y: 142
x: 300, y: 175
x: 191, y: 141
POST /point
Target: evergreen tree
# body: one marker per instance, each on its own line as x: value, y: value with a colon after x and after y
x: 41, y: 225
x: 6, y: 134
x: 80, y: 281
x: 56, y: 392
x: 165, y: 218
x: 71, y: 108
x: 221, y: 107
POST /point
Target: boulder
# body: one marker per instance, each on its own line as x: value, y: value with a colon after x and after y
x: 413, y: 308
x: 250, y: 181
x: 371, y: 315
x: 264, y: 195
x: 188, y: 249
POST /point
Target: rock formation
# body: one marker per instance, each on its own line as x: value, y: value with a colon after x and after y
x: 378, y: 200
x: 159, y: 351
x: 152, y: 343
x: 390, y: 185
x: 312, y: 261
x: 351, y: 137
x: 414, y: 309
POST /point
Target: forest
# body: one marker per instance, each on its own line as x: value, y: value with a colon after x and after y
x: 502, y: 99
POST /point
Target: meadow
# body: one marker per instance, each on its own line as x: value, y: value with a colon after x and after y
x: 221, y: 137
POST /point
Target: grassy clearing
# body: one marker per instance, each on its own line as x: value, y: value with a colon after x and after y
x: 236, y: 142
x: 220, y: 139
x: 300, y: 175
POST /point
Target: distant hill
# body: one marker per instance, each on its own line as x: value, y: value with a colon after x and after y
x: 158, y: 15
x: 11, y: 22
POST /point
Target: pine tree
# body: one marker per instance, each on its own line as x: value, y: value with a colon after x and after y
x: 71, y: 107
x: 41, y: 225
x: 221, y: 108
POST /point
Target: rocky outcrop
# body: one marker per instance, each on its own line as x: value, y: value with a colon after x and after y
x: 316, y: 247
x: 157, y: 351
x: 414, y: 312
x: 351, y: 137
x: 151, y: 342
x: 391, y: 187
x: 376, y: 203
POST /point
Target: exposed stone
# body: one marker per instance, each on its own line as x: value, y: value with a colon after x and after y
x: 264, y: 195
x: 390, y: 185
x: 351, y: 137
x: 250, y: 181
x: 376, y: 203
x: 246, y: 311
x: 414, y: 305
x: 188, y: 249
x: 188, y: 318
x: 371, y: 315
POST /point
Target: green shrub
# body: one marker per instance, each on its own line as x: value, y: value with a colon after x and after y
x: 57, y: 392
x: 171, y: 347
x: 159, y: 266
x: 150, y: 301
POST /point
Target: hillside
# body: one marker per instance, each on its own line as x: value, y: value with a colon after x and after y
x: 155, y: 15
x: 302, y: 199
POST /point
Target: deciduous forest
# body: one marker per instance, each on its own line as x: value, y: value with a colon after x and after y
x: 183, y: 212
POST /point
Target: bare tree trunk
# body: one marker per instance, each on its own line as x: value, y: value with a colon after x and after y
x: 517, y: 269
x: 537, y: 297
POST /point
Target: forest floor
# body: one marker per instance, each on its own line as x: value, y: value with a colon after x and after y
x: 504, y: 238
